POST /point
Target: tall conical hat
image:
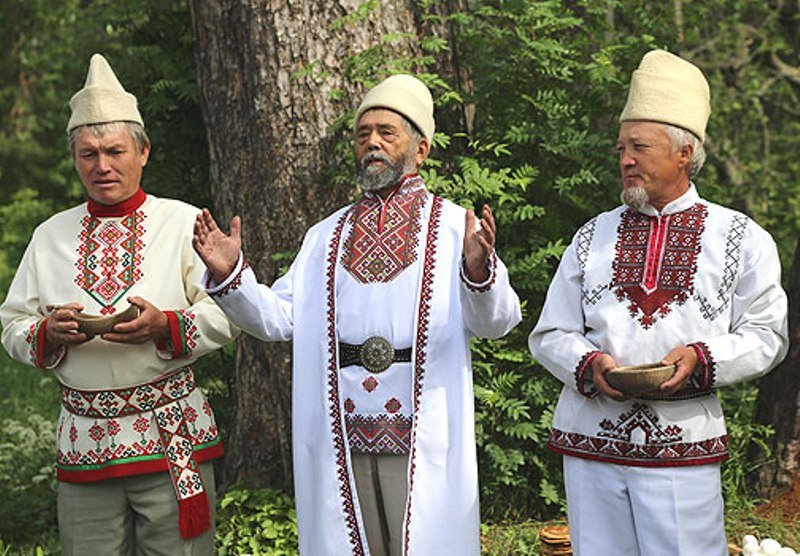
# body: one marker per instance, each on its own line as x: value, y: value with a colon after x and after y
x: 102, y: 98
x: 666, y: 88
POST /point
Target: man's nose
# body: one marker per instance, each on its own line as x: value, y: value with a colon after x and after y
x: 103, y: 163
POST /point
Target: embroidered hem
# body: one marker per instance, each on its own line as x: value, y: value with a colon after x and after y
x: 609, y: 450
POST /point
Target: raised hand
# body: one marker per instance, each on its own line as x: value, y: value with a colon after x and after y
x: 479, y: 244
x: 151, y: 324
x: 218, y: 251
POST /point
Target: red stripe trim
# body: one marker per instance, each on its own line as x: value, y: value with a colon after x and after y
x: 175, y: 333
x: 40, y: 342
x: 112, y: 471
x: 120, y: 209
x: 640, y: 463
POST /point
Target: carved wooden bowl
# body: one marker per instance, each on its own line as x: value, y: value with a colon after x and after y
x: 639, y: 379
x: 93, y: 325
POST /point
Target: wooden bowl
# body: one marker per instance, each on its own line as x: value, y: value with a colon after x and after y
x: 638, y: 379
x: 93, y: 325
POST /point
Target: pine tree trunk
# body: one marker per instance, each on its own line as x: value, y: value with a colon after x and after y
x: 778, y: 404
x: 274, y: 77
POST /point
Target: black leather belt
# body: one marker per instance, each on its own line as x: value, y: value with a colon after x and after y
x: 375, y: 354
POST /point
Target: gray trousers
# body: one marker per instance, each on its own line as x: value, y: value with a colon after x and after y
x: 382, y: 487
x: 129, y: 516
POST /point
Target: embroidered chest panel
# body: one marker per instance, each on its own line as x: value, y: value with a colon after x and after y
x: 383, y: 239
x: 110, y: 257
x: 655, y: 261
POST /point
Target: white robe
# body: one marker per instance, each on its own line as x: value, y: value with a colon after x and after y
x: 713, y: 282
x: 442, y: 515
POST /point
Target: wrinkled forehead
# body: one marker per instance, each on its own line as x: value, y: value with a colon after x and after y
x: 641, y: 130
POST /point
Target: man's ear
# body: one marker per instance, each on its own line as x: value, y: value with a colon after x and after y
x: 144, y: 156
x: 423, y: 149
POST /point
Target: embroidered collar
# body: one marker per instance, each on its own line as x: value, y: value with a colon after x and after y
x: 685, y: 201
x: 120, y: 209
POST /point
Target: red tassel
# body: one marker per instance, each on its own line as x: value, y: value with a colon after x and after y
x: 194, y: 515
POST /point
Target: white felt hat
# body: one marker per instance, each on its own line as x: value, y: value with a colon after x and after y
x: 405, y: 95
x: 102, y: 98
x: 670, y: 90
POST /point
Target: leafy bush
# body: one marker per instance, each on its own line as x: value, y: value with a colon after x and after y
x: 27, y: 478
x: 257, y: 522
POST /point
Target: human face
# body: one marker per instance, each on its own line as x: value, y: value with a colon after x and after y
x: 385, y: 150
x: 648, y: 161
x: 110, y: 165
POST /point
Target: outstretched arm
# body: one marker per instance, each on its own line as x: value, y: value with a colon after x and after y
x: 219, y: 251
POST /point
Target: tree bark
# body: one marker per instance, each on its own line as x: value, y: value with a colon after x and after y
x: 778, y: 404
x: 274, y: 79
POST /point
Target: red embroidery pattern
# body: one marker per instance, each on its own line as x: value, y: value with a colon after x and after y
x: 585, y: 366
x: 662, y: 446
x: 383, y: 240
x: 234, y: 284
x: 379, y: 434
x: 110, y: 258
x: 369, y: 384
x: 334, y: 405
x: 708, y: 367
x: 423, y: 322
x: 656, y: 261
x: 393, y: 405
x: 129, y: 401
x: 491, y: 265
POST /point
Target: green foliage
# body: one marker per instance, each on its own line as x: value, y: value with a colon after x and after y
x: 257, y: 522
x: 27, y: 477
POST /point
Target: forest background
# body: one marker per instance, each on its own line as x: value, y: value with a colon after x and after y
x: 529, y: 94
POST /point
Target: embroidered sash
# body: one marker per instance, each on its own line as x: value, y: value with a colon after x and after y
x: 164, y: 397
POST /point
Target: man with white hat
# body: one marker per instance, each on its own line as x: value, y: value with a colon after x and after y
x: 380, y: 303
x: 136, y: 436
x: 672, y: 279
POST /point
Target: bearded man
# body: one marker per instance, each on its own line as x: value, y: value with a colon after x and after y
x: 672, y: 279
x: 381, y: 303
x: 135, y: 436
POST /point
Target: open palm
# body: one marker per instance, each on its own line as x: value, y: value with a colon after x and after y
x: 218, y: 250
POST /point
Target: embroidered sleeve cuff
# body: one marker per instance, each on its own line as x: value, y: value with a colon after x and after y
x: 486, y: 285
x: 231, y: 283
x: 583, y: 375
x: 181, y: 337
x: 36, y: 339
x: 705, y: 374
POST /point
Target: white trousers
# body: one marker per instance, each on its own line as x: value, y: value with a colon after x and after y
x: 644, y: 511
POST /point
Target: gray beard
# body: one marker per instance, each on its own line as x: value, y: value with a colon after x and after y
x: 635, y: 197
x: 375, y: 178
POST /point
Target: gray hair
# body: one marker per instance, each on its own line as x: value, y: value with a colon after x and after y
x: 413, y: 131
x: 135, y: 129
x: 680, y: 137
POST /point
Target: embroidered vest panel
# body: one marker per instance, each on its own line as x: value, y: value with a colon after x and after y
x: 656, y: 260
x: 384, y: 237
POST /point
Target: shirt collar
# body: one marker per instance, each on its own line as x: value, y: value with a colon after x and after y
x: 407, y: 184
x: 685, y: 201
x: 120, y: 209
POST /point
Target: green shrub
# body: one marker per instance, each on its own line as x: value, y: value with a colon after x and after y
x: 27, y: 478
x: 256, y: 522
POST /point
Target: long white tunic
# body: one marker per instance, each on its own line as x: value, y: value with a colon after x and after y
x: 100, y: 261
x: 305, y: 305
x: 635, y: 285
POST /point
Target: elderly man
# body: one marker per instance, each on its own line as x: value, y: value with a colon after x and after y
x: 672, y: 279
x: 135, y: 435
x: 381, y: 303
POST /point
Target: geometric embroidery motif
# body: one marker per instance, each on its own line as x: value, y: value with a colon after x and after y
x: 656, y: 260
x: 379, y: 434
x: 109, y: 404
x: 384, y: 237
x: 640, y: 420
x: 733, y: 255
x: 110, y: 258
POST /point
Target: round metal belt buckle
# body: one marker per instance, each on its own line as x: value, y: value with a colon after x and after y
x: 376, y: 354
